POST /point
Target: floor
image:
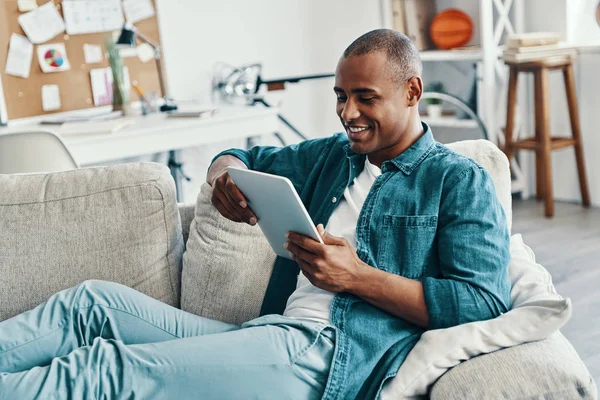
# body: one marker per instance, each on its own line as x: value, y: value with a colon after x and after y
x: 568, y: 245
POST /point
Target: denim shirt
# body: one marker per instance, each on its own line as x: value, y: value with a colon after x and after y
x: 432, y: 215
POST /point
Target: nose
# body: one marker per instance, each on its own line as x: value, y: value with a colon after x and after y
x: 350, y: 110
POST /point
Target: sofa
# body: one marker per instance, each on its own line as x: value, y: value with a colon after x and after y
x: 122, y: 223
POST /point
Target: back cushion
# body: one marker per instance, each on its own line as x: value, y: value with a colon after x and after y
x: 117, y: 223
x: 486, y: 154
x: 226, y: 266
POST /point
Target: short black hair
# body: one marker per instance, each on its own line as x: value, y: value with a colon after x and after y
x: 404, y: 59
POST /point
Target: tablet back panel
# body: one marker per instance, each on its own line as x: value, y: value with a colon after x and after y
x: 277, y: 206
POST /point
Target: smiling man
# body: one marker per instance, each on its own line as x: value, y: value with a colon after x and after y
x: 414, y: 239
x: 415, y: 236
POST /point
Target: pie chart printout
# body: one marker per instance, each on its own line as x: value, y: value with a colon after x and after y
x: 54, y: 58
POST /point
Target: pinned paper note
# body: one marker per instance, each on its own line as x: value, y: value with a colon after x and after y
x: 53, y: 57
x: 20, y: 54
x: 50, y: 98
x: 145, y: 52
x: 42, y: 24
x: 26, y: 5
x: 128, y: 52
x: 138, y: 10
x: 92, y: 16
x: 102, y: 85
x: 92, y: 53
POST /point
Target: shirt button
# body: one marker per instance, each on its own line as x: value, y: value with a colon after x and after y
x: 334, y: 200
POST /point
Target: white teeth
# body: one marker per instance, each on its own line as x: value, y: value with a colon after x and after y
x: 355, y: 129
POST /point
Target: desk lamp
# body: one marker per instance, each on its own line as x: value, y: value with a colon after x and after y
x: 235, y: 83
x: 127, y: 38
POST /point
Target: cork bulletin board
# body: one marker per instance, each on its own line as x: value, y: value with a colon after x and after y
x: 23, y: 97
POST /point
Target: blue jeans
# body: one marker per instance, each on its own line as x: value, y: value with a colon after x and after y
x: 104, y: 340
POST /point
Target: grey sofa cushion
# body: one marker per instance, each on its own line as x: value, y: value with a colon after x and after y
x: 548, y: 369
x: 186, y: 214
x: 226, y: 266
x: 117, y: 223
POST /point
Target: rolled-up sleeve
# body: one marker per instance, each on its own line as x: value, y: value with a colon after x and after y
x: 294, y: 162
x: 473, y: 247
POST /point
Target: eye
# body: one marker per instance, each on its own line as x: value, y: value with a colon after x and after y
x: 367, y: 100
x: 341, y: 98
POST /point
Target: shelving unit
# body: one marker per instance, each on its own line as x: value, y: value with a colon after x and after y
x: 450, y: 122
x: 495, y: 18
x: 452, y: 55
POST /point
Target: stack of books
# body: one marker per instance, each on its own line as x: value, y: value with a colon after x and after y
x: 536, y: 46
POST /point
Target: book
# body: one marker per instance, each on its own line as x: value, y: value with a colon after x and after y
x: 93, y: 127
x: 83, y: 118
x: 192, y: 113
x: 532, y: 39
x: 418, y: 15
x: 539, y: 55
x: 398, y: 17
x: 560, y: 46
x: 548, y: 59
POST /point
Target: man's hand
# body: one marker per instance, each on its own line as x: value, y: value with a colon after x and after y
x: 333, y: 266
x: 230, y: 202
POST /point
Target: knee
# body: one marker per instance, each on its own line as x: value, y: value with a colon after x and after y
x: 91, y: 292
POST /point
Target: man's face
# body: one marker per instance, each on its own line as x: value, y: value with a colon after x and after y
x: 373, y: 108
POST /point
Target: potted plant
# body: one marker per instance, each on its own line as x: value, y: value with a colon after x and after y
x: 120, y: 92
x: 434, y: 106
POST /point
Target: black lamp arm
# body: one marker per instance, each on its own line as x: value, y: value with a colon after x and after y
x: 295, y: 79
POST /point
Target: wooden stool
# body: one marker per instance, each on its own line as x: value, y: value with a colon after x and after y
x: 543, y: 144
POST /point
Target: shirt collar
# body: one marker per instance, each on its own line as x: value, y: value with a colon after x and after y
x: 410, y: 158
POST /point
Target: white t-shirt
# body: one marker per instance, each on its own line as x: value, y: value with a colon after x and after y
x: 308, y: 301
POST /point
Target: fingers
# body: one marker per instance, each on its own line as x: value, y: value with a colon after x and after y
x: 230, y: 202
x: 239, y: 202
x: 231, y: 208
x: 299, y: 253
x: 307, y: 270
x: 305, y: 242
x: 224, y: 210
x: 328, y: 238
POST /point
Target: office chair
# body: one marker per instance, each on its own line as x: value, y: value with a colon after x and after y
x: 30, y: 152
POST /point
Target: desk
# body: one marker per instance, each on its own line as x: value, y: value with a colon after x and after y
x: 156, y: 133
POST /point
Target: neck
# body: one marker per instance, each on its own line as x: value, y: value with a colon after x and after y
x: 414, y: 130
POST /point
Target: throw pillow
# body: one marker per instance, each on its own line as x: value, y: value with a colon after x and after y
x: 537, y: 311
x: 226, y: 266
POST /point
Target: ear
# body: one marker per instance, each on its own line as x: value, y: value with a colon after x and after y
x: 414, y: 90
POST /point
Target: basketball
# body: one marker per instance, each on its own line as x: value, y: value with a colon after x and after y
x: 451, y: 28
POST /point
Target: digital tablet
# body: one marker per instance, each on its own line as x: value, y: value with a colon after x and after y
x: 277, y: 206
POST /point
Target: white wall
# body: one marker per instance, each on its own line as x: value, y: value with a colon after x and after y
x: 555, y: 18
x: 290, y: 38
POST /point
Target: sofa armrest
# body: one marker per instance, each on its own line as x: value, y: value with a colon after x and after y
x: 186, y: 214
x: 546, y: 369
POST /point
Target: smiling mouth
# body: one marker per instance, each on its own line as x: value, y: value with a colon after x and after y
x: 356, y: 132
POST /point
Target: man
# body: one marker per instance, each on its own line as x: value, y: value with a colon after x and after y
x: 415, y: 239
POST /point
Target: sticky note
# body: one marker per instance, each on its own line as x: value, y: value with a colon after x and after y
x: 20, y: 54
x: 53, y: 57
x: 145, y: 52
x: 26, y: 5
x: 50, y: 98
x: 92, y: 53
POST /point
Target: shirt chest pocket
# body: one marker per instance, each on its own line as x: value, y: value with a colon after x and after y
x: 406, y: 244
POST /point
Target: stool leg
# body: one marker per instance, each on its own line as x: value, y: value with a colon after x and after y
x: 510, y: 112
x: 574, y: 116
x: 542, y: 129
x: 539, y: 168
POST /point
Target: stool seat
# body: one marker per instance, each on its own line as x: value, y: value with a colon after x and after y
x: 543, y: 143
